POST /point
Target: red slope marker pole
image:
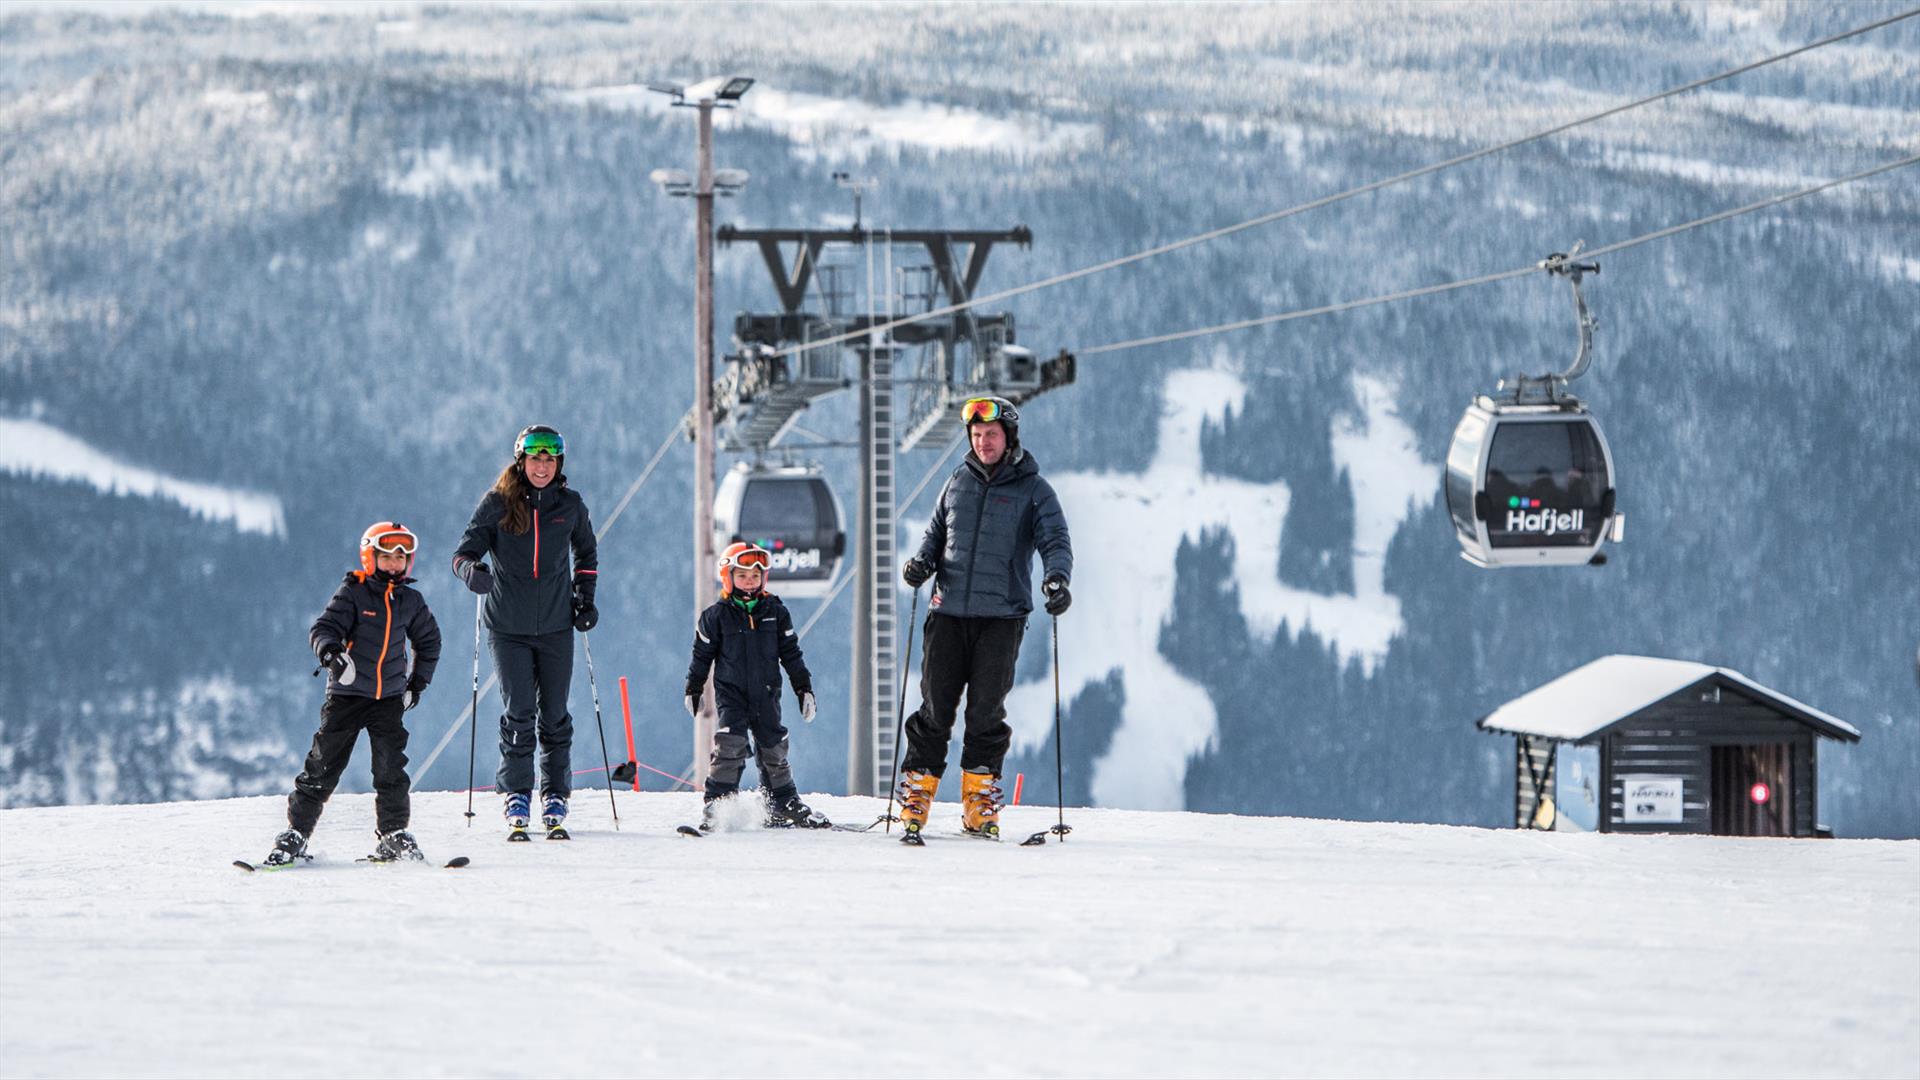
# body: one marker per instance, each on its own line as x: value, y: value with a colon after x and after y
x: 626, y: 713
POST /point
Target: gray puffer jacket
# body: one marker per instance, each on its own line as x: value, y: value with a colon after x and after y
x: 986, y: 527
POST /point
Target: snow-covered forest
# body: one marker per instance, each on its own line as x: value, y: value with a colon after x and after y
x: 266, y: 277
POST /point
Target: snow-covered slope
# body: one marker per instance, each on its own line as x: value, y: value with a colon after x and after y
x: 1149, y: 944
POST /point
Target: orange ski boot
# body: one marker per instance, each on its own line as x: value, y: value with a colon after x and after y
x: 980, y: 804
x: 917, y: 789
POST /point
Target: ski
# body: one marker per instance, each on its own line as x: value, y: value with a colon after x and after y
x: 689, y: 830
x: 559, y: 833
x: 454, y: 863
x: 517, y: 834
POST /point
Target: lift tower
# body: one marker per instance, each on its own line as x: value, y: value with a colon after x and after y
x: 962, y: 353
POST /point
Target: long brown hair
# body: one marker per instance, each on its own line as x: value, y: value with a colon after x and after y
x: 512, y: 488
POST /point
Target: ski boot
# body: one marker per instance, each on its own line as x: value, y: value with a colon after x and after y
x: 397, y: 846
x: 288, y: 849
x: 790, y: 813
x: 980, y: 804
x: 917, y: 789
x: 519, y: 809
x: 553, y: 815
x: 710, y: 814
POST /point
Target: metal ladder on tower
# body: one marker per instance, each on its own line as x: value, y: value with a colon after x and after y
x: 882, y: 555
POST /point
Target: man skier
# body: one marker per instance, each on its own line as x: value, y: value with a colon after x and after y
x: 993, y: 514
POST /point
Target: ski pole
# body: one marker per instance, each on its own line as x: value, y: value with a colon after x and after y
x: 900, y: 725
x: 604, y: 764
x: 1061, y: 829
x: 473, y: 714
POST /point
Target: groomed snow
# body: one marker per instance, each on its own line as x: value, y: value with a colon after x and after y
x: 1151, y: 944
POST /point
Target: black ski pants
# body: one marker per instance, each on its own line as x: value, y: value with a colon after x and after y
x: 536, y: 671
x: 341, y: 720
x: 975, y: 656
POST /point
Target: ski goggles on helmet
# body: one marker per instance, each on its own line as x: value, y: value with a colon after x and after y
x: 533, y: 443
x: 394, y: 541
x: 746, y: 557
x: 981, y: 410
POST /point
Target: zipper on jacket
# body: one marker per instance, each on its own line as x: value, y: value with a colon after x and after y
x: 536, y: 544
x: 379, y: 666
x: 973, y: 557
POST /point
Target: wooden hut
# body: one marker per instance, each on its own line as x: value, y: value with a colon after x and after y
x: 1643, y: 744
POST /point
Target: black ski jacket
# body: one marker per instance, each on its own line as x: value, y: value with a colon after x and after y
x: 533, y: 590
x: 374, y: 618
x: 984, y: 531
x: 745, y: 651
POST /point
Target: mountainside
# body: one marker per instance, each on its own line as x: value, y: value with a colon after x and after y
x: 1149, y: 944
x: 268, y: 279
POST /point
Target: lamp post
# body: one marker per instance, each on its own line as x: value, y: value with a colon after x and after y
x: 704, y: 97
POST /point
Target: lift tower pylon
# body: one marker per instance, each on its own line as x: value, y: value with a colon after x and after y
x: 765, y: 390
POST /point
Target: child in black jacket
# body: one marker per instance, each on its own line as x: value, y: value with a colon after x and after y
x: 361, y: 639
x: 745, y: 638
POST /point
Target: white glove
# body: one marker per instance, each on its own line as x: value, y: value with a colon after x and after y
x: 807, y: 707
x: 346, y: 673
x: 693, y: 705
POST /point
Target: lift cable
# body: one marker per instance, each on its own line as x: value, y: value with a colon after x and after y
x: 1266, y: 219
x: 1277, y: 215
x: 1487, y: 279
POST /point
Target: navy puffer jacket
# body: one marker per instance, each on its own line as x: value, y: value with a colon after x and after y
x: 746, y: 648
x: 536, y: 573
x: 985, y: 529
x: 374, y: 618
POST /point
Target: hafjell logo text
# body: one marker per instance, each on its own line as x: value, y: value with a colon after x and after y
x: 1546, y: 522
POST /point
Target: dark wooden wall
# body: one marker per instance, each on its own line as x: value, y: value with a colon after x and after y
x: 1675, y: 737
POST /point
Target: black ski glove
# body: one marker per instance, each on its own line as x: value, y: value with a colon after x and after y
x: 916, y: 573
x: 1058, y: 598
x: 338, y: 661
x: 411, y: 696
x: 479, y: 578
x: 585, y: 615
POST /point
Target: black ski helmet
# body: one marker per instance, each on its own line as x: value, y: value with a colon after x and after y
x: 554, y: 444
x: 995, y: 409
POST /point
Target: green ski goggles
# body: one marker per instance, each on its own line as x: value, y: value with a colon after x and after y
x: 534, y: 443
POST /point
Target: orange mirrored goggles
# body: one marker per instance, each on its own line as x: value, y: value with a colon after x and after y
x: 748, y: 558
x: 395, y: 542
x: 980, y: 410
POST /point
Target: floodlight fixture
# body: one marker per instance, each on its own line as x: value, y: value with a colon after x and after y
x: 673, y: 181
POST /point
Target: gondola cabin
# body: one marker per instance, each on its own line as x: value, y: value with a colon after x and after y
x: 792, y: 512
x: 1530, y: 485
x: 1645, y: 744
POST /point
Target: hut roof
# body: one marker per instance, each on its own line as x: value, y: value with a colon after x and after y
x: 1597, y: 695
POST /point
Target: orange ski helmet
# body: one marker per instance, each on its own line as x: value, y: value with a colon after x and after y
x: 388, y: 536
x: 744, y: 555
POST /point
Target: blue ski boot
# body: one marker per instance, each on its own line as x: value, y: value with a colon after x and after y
x: 519, y: 809
x: 553, y: 814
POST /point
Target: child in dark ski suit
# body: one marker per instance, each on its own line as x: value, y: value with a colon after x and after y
x: 745, y: 639
x: 361, y: 639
